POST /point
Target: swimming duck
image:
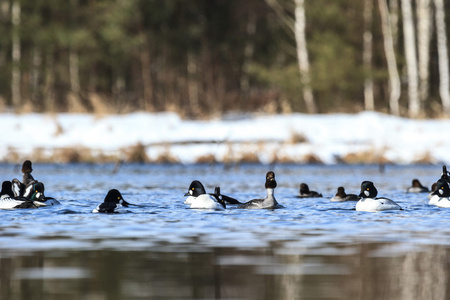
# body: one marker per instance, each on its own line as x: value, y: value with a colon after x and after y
x: 19, y: 187
x: 341, y: 196
x: 306, y: 193
x: 198, y: 198
x: 35, y: 192
x: 372, y: 204
x: 196, y: 188
x: 26, y: 170
x: 112, y: 203
x: 8, y: 201
x: 417, y: 187
x: 445, y: 174
x: 269, y: 201
x: 441, y: 196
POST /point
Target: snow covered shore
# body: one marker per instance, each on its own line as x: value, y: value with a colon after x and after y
x: 353, y: 138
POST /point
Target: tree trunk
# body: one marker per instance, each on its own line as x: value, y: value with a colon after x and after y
x: 16, y: 53
x: 424, y: 29
x: 74, y: 72
x: 146, y: 79
x: 248, y: 53
x: 394, y: 78
x: 367, y: 55
x: 36, y: 90
x: 193, y: 81
x: 49, y: 85
x: 393, y: 20
x: 302, y: 56
x: 411, y: 59
x: 444, y: 84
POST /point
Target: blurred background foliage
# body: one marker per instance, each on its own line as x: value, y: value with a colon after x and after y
x: 199, y: 58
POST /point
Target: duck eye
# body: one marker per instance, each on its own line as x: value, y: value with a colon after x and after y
x: 367, y: 188
x: 118, y: 198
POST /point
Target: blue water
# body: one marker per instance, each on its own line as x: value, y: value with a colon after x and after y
x: 311, y: 248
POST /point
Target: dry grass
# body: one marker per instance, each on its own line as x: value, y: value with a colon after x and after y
x: 165, y: 157
x: 312, y: 159
x: 136, y: 153
x: 297, y: 138
x: 72, y: 155
x: 206, y: 159
x: 426, y: 158
x: 100, y: 105
x: 248, y: 157
x: 75, y: 105
x: 365, y: 157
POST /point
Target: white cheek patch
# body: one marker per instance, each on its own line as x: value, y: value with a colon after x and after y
x: 366, y: 193
x: 441, y: 191
x: 191, y: 192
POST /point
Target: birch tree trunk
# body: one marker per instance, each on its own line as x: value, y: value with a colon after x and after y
x: 193, y: 80
x: 49, y: 83
x: 424, y: 29
x: 74, y: 72
x: 16, y: 53
x: 443, y: 56
x: 36, y: 90
x: 367, y: 55
x: 411, y: 59
x: 302, y: 56
x: 393, y: 20
x: 147, y: 100
x: 394, y: 78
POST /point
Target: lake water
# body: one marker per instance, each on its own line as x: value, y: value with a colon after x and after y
x: 161, y: 249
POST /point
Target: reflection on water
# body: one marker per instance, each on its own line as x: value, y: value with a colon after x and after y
x: 159, y: 249
x: 352, y: 272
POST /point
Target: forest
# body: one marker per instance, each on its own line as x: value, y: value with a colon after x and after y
x: 207, y: 58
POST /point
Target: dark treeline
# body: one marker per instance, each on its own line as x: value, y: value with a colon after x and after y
x: 203, y: 57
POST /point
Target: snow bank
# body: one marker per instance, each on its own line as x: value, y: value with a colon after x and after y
x: 295, y: 137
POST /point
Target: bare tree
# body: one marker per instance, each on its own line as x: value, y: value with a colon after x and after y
x: 411, y: 59
x: 443, y: 56
x: 249, y: 50
x: 16, y: 53
x: 302, y: 55
x: 393, y: 19
x: 394, y: 78
x: 424, y: 29
x: 367, y: 55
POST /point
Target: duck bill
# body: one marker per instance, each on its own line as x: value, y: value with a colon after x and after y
x: 187, y: 194
x: 361, y: 195
x: 125, y: 203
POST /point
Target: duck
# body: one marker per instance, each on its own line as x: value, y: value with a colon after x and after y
x: 369, y: 203
x: 196, y: 188
x: 306, y: 193
x: 112, y: 203
x: 18, y: 186
x: 198, y: 198
x: 417, y: 187
x: 269, y: 202
x: 441, y: 196
x: 35, y: 192
x: 341, y: 196
x: 9, y: 201
x: 445, y: 174
x: 431, y: 193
